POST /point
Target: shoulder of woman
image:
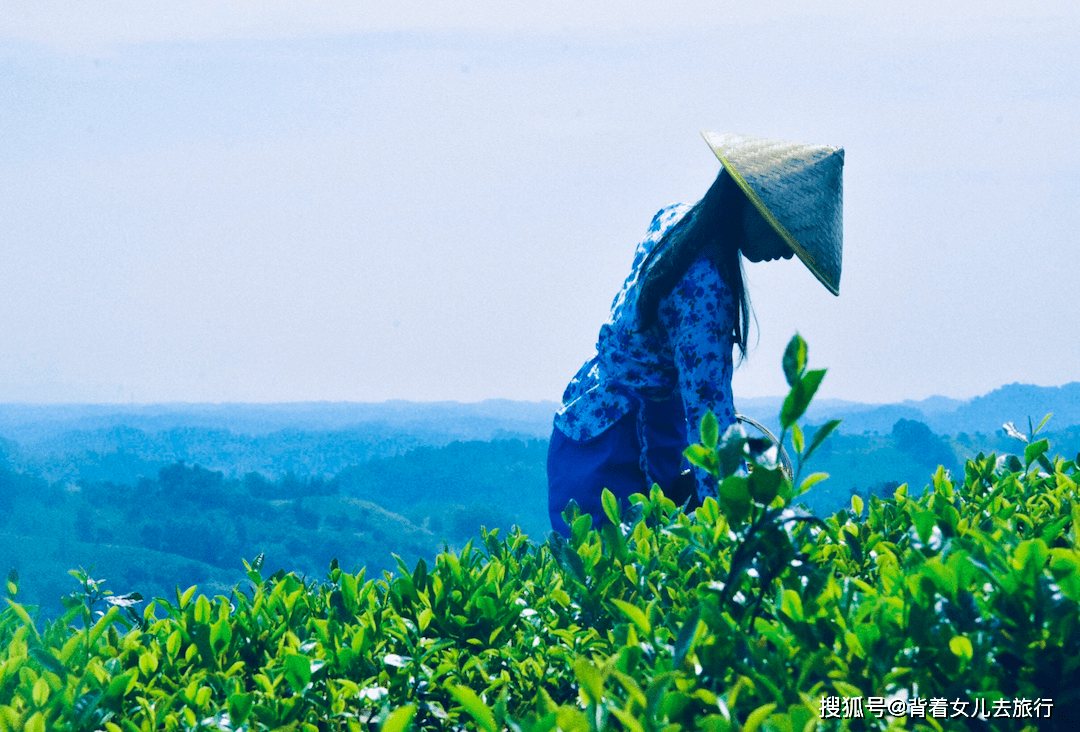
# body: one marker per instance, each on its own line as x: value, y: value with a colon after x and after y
x: 667, y: 216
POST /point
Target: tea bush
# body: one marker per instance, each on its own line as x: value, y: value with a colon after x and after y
x: 956, y: 608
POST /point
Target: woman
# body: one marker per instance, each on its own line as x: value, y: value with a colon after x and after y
x: 664, y: 359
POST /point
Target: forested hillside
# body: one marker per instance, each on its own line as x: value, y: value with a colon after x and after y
x: 182, y: 506
x: 188, y: 524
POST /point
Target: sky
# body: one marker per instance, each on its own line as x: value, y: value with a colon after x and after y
x: 283, y: 201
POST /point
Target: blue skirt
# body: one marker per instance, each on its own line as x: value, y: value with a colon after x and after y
x: 615, y: 460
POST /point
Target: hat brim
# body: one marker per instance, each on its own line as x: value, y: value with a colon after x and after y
x: 806, y: 257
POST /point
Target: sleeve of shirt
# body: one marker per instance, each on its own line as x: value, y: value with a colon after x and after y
x: 699, y: 317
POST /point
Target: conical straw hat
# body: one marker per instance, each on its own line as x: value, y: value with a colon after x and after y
x: 798, y: 188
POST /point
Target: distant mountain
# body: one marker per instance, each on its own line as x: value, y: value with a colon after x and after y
x: 96, y: 442
x: 945, y: 416
x: 61, y: 428
x: 935, y: 404
x: 856, y: 417
x: 29, y: 423
x: 1013, y: 403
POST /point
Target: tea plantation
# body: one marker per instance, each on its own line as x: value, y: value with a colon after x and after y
x: 953, y: 607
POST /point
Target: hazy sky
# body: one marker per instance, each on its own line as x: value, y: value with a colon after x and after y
x: 283, y: 201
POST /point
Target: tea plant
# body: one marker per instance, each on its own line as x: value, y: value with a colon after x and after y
x: 749, y: 614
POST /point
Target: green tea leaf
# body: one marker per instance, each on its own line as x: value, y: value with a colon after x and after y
x: 758, y: 716
x: 84, y: 707
x: 185, y: 598
x: 819, y: 437
x: 628, y: 721
x: 1043, y: 423
x: 569, y: 719
x: 811, y: 480
x: 843, y: 688
x: 477, y: 709
x: 798, y: 399
x: 240, y: 707
x: 1064, y: 562
x: 172, y: 643
x: 591, y: 680
x: 23, y: 616
x: 635, y: 614
x: 122, y: 684
x: 48, y: 661
x: 710, y: 430
x: 148, y: 663
x: 734, y: 494
x: 1035, y: 450
x: 684, y: 642
x: 764, y: 483
x: 961, y: 646
x: 40, y: 692
x: 202, y: 609
x: 581, y: 526
x: 791, y: 604
x: 856, y: 505
x: 36, y: 723
x: 731, y: 452
x: 794, y: 359
x: 611, y: 506
x: 419, y: 576
x: 220, y: 634
x: 854, y: 545
x: 797, y: 438
x: 567, y: 558
x: 925, y: 521
x: 297, y: 671
x: 703, y: 458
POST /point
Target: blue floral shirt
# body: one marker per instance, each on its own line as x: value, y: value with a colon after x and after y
x: 690, y: 355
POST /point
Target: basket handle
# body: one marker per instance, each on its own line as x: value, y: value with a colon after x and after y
x: 785, y: 459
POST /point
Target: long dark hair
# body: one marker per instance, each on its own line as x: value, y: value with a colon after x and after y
x: 712, y: 225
